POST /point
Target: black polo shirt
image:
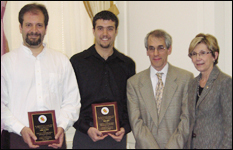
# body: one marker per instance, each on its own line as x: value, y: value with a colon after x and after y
x: 101, y: 80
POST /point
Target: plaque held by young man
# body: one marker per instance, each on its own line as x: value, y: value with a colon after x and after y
x: 105, y: 117
x: 43, y: 125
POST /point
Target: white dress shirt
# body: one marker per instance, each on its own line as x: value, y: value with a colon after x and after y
x: 29, y: 83
x: 154, y: 78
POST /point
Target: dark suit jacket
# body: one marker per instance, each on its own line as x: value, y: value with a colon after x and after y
x: 211, y: 117
x: 170, y: 128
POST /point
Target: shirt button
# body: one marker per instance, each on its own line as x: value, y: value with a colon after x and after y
x: 194, y: 135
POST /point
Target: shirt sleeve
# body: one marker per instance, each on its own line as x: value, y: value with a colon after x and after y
x: 81, y: 125
x: 125, y: 123
x: 70, y: 107
x: 8, y: 121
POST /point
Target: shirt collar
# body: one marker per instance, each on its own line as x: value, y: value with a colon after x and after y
x: 153, y: 71
x: 28, y: 51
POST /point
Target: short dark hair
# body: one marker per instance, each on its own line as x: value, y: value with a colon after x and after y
x: 34, y: 7
x: 105, y: 15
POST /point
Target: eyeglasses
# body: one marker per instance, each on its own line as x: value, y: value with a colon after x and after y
x: 201, y: 54
x: 160, y: 48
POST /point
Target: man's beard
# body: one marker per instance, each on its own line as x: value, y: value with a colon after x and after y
x: 107, y: 46
x: 33, y: 43
x: 103, y: 45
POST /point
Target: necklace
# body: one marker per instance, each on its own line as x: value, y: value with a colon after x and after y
x: 198, y: 91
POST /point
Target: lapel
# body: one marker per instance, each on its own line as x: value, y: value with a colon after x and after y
x: 146, y: 91
x: 209, y: 84
x: 193, y: 95
x: 169, y: 90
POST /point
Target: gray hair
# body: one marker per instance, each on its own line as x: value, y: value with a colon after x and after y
x: 159, y: 33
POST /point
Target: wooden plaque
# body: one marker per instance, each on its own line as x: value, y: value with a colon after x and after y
x: 43, y: 125
x: 105, y: 117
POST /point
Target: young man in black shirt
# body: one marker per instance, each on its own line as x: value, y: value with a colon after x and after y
x: 102, y: 74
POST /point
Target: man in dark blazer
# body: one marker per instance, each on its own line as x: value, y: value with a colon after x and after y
x: 169, y: 127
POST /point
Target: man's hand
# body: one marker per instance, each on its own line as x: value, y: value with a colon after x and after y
x: 28, y: 135
x: 95, y: 134
x: 60, y: 137
x: 118, y: 135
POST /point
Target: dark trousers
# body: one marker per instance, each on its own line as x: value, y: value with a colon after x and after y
x: 83, y: 141
x: 11, y: 140
x: 5, y: 140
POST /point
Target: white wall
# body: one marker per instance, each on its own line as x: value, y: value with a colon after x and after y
x: 183, y: 21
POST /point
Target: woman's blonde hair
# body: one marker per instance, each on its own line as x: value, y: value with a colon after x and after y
x: 210, y: 41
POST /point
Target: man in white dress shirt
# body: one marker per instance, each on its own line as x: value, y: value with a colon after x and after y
x: 35, y: 78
